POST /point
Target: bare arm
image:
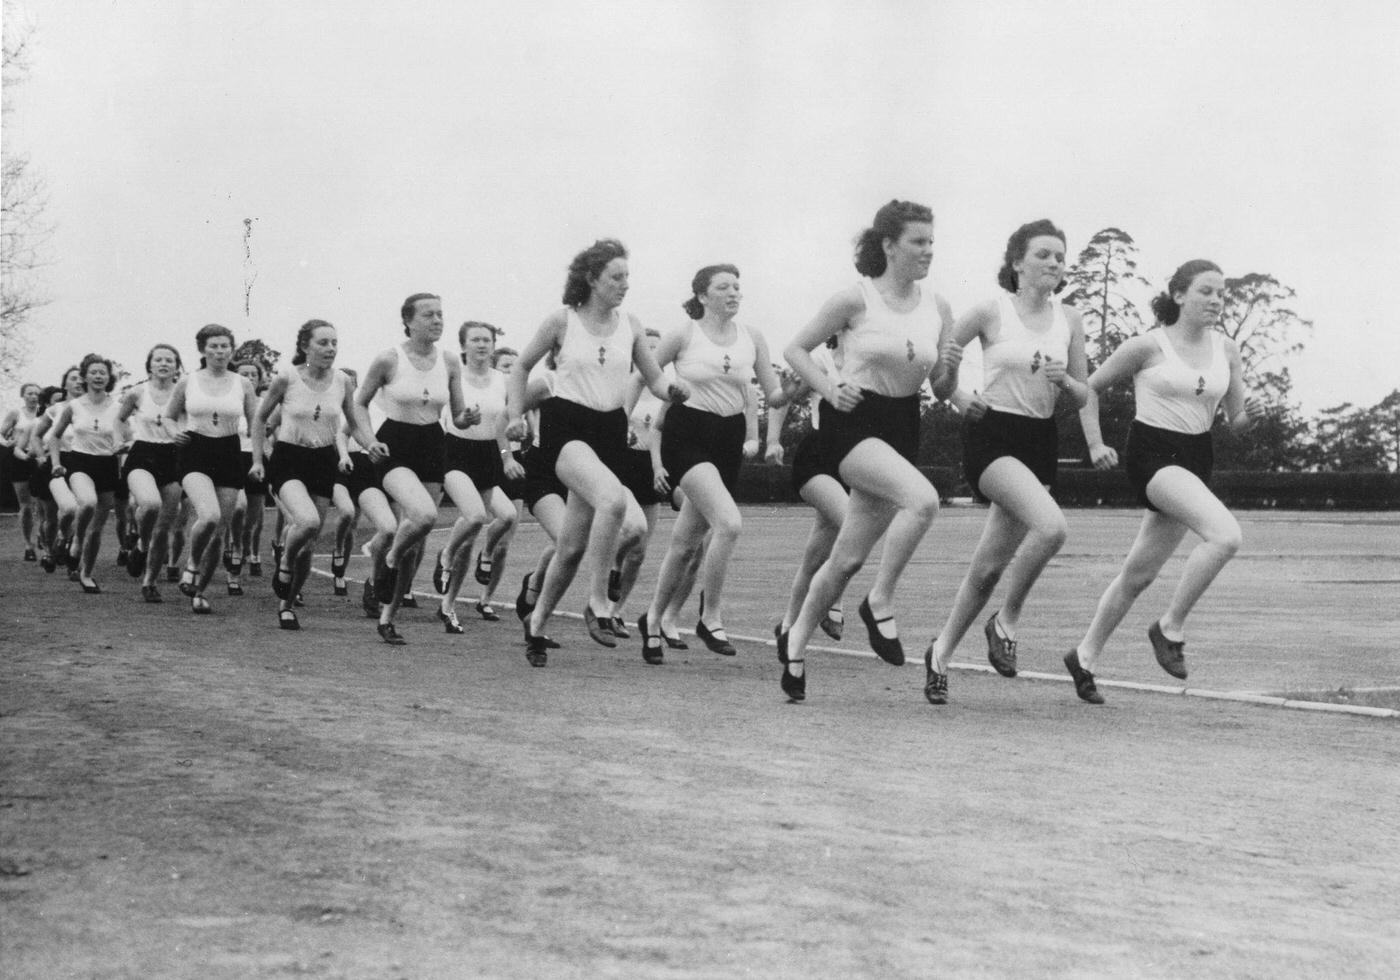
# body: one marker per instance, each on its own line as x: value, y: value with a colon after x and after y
x: 1242, y: 409
x: 646, y: 362
x: 546, y: 338
x: 830, y: 320
x: 61, y: 423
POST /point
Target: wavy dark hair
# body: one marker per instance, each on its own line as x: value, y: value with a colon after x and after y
x: 304, y: 338
x: 92, y: 359
x: 587, y: 266
x: 1017, y: 246
x: 693, y: 307
x: 1164, y: 305
x: 889, y: 222
x: 207, y: 333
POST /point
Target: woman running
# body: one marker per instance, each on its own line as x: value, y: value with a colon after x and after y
x: 14, y: 434
x: 816, y: 481
x: 210, y: 401
x: 314, y: 397
x: 1182, y: 370
x: 490, y: 564
x: 1033, y: 348
x: 90, y: 464
x: 701, y: 446
x: 889, y: 327
x: 60, y: 506
x: 416, y: 378
x: 477, y: 459
x: 245, y: 527
x: 151, y: 471
x: 583, y: 428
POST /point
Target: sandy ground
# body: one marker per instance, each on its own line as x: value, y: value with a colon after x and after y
x: 216, y: 798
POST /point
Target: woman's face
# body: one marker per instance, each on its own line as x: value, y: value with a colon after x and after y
x: 1203, y: 300
x: 218, y: 351
x: 479, y: 344
x: 610, y: 288
x: 97, y: 377
x: 31, y: 397
x: 911, y: 256
x: 505, y: 363
x: 722, y: 295
x: 1043, y: 265
x: 73, y: 383
x: 426, y: 322
x: 249, y: 371
x: 163, y: 364
x: 321, y: 348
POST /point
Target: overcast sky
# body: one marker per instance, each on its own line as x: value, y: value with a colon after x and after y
x: 471, y: 149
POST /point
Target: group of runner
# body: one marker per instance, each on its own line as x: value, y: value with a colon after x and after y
x: 597, y: 422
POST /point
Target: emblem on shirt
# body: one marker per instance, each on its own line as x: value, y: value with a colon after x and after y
x: 1036, y: 362
x: 427, y: 396
x: 1200, y: 384
x: 316, y: 415
x: 726, y: 364
x: 909, y: 350
x: 216, y: 418
x: 602, y: 355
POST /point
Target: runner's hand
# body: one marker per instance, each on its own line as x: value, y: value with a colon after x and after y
x: 1103, y: 457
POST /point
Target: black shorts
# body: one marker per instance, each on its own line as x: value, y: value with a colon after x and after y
x: 1034, y: 442
x: 810, y: 460
x: 479, y: 459
x: 894, y: 421
x: 218, y: 458
x: 540, y: 479
x: 318, y: 469
x: 362, y: 476
x: 690, y: 437
x: 563, y: 421
x: 156, y: 458
x: 417, y: 447
x: 39, y: 483
x: 253, y: 487
x: 637, y: 477
x: 1151, y: 449
x: 21, y: 470
x: 514, y: 489
x: 104, y: 471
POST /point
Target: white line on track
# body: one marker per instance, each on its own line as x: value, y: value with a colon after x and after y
x: 1242, y: 697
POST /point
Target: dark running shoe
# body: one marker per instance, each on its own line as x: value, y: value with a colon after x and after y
x: 389, y: 635
x: 890, y: 651
x: 935, y: 684
x: 1171, y: 654
x: 1083, y: 680
x: 1001, y: 652
x: 598, y: 632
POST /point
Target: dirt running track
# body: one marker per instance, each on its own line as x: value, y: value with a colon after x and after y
x: 234, y: 801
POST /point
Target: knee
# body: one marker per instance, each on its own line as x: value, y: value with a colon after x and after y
x: 419, y: 522
x: 612, y: 505
x: 924, y: 508
x: 728, y: 525
x: 1227, y: 539
x: 845, y: 567
x: 1053, y: 536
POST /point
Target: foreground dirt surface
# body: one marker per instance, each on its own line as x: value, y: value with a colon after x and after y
x: 216, y: 798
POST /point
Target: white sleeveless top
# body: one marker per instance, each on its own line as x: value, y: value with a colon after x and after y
x: 147, y: 419
x: 890, y: 353
x: 214, y: 415
x: 24, y: 425
x: 1012, y: 381
x: 65, y: 443
x: 644, y: 413
x: 717, y: 374
x: 829, y: 361
x: 489, y: 398
x: 592, y: 370
x: 94, y: 427
x: 413, y: 396
x: 533, y: 415
x: 311, y: 418
x: 1173, y: 395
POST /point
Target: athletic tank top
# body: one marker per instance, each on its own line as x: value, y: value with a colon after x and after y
x: 147, y: 419
x: 592, y: 370
x: 490, y: 399
x: 213, y: 415
x: 1173, y: 395
x: 66, y: 442
x: 1012, y: 380
x: 414, y: 396
x: 532, y: 417
x: 24, y: 426
x: 890, y: 353
x: 94, y: 427
x: 311, y: 418
x: 717, y: 374
x: 829, y: 361
x: 644, y: 414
